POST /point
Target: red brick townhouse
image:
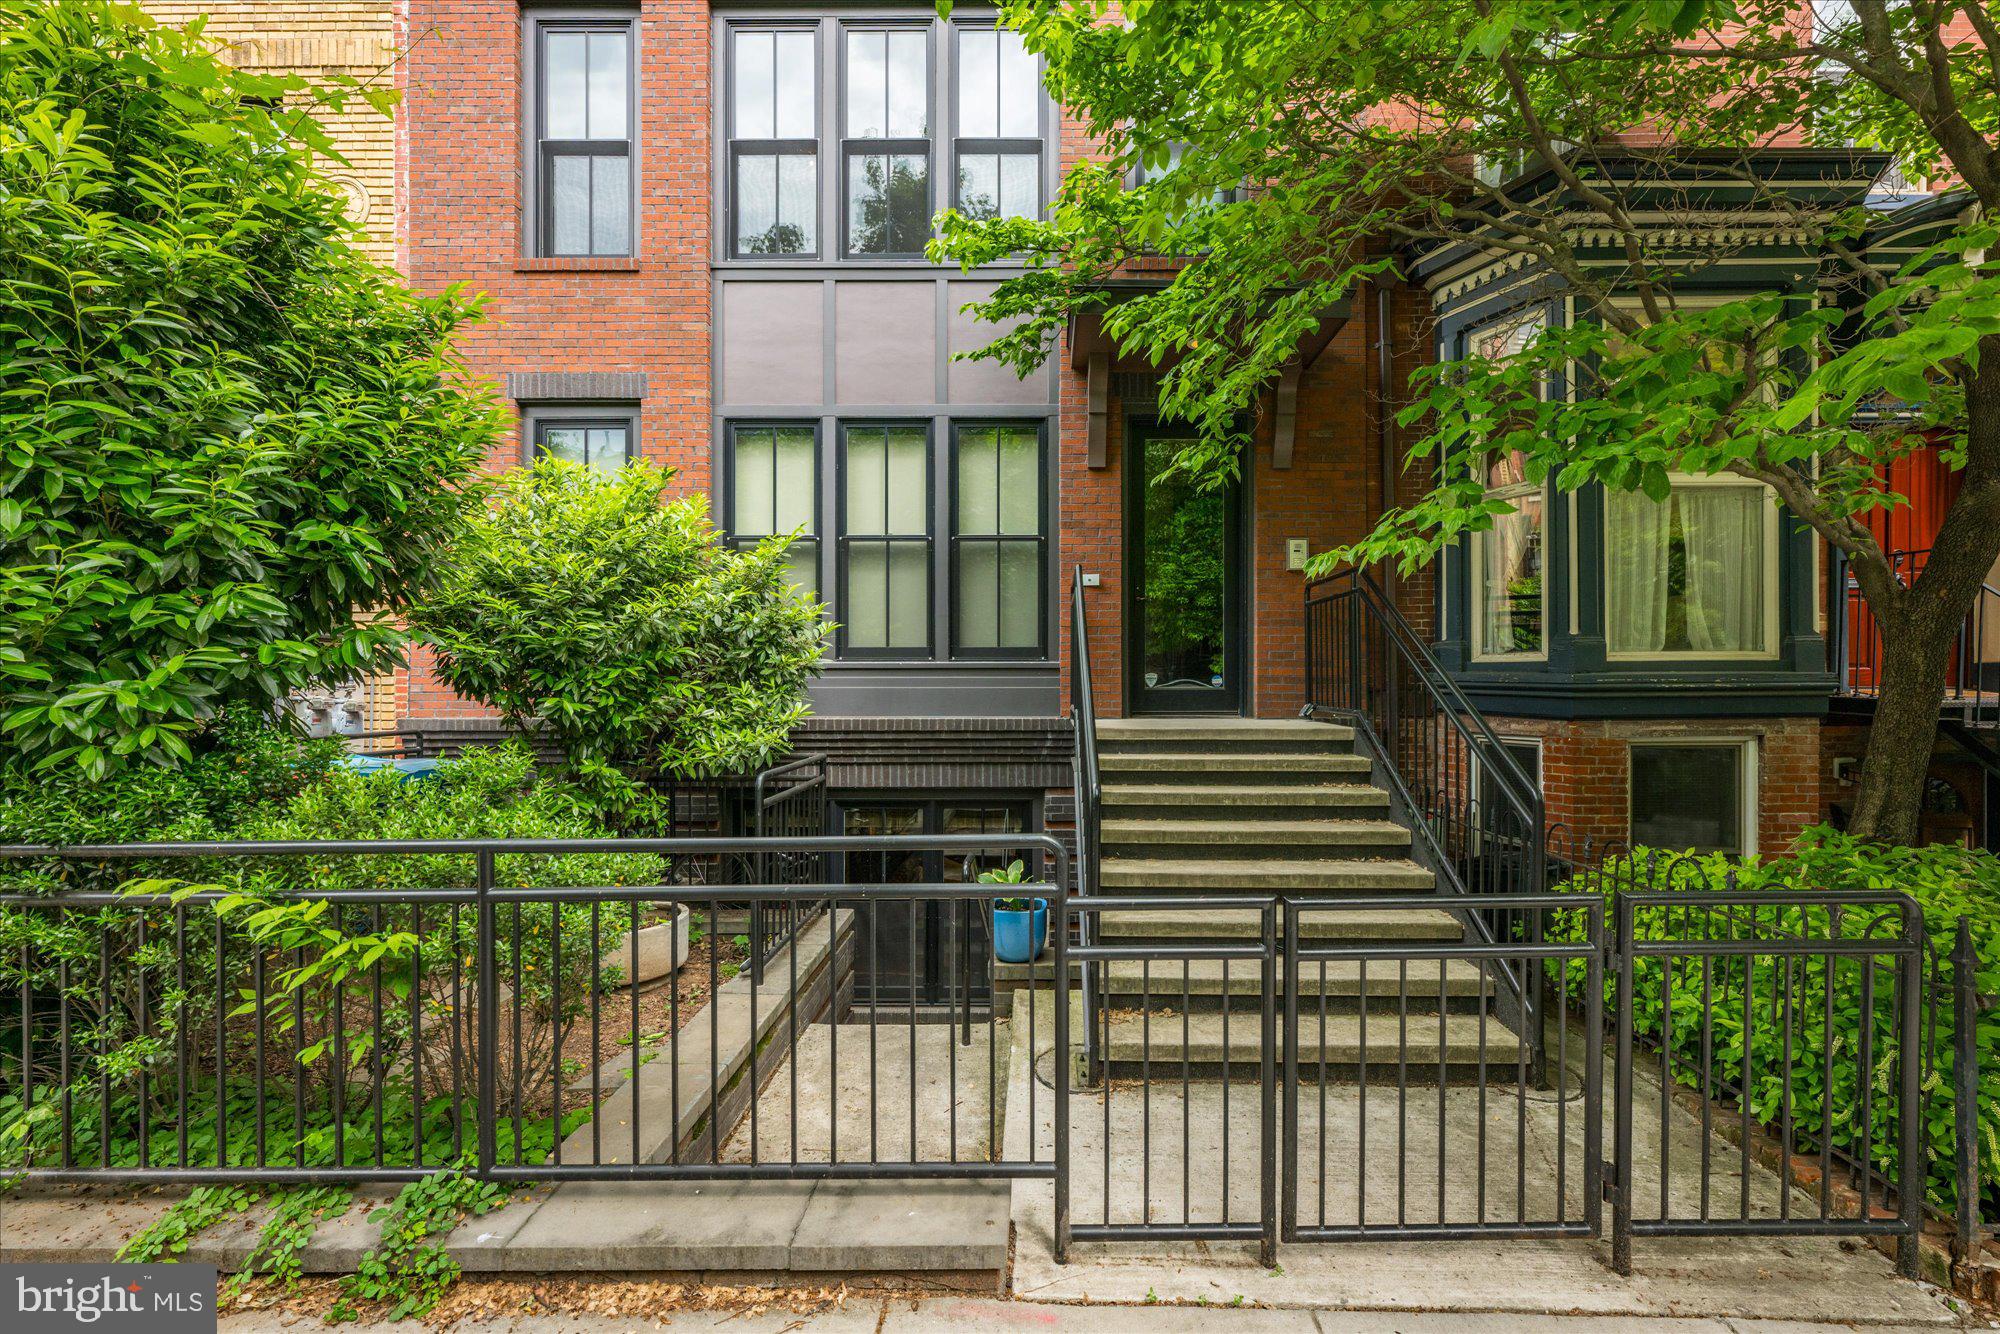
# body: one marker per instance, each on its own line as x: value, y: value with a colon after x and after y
x: 701, y: 228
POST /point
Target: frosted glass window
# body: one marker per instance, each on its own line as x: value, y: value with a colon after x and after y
x: 998, y: 539
x: 774, y: 480
x: 774, y: 142
x: 886, y: 539
x: 584, y: 140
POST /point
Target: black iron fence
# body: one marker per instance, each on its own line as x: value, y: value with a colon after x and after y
x: 548, y: 1009
x: 1854, y: 646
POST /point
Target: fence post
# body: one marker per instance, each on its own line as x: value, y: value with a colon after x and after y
x: 1356, y: 669
x: 1915, y: 1169
x: 1621, y: 1096
x: 1060, y: 962
x: 489, y: 1018
x: 1965, y: 1090
x: 1266, y: 1063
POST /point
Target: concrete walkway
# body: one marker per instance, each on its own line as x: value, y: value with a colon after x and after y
x: 903, y: 1316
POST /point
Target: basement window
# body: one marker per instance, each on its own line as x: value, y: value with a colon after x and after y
x: 1696, y: 795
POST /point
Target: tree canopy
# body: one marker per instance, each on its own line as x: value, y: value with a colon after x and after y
x: 230, y: 446
x: 1302, y: 148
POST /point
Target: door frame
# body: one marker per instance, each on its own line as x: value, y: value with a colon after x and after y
x: 1234, y: 700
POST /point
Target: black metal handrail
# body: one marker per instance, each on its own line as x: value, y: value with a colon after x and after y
x: 1089, y: 790
x: 1854, y: 646
x: 788, y: 799
x: 1476, y: 817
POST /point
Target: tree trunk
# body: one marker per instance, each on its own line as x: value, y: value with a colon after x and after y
x: 1888, y: 805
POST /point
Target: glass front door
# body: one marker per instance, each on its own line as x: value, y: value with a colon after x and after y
x: 1184, y: 584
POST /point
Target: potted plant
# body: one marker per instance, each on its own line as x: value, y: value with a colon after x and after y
x: 1020, y: 926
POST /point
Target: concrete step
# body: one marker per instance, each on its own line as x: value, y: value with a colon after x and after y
x: 1157, y: 875
x: 1179, y: 801
x: 1416, y: 923
x: 1164, y: 983
x: 1342, y: 1045
x: 1214, y: 735
x: 1247, y: 768
x: 1223, y: 839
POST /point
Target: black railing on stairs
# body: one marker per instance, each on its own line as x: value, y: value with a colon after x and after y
x: 1088, y: 787
x: 1475, y: 816
x: 1854, y: 646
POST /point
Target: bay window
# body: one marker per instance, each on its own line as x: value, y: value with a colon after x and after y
x: 1694, y: 575
x: 885, y: 540
x: 1508, y: 574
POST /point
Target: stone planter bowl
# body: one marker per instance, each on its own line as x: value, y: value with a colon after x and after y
x: 660, y: 947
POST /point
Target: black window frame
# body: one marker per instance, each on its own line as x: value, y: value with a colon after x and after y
x: 1040, y: 649
x: 737, y: 148
x: 963, y: 146
x: 536, y: 419
x: 844, y: 543
x: 543, y: 150
x: 887, y: 148
x: 814, y: 540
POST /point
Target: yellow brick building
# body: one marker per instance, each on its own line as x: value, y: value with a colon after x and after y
x: 358, y: 38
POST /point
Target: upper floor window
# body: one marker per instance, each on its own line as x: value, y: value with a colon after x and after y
x: 583, y: 114
x: 885, y: 141
x: 774, y: 141
x: 998, y: 145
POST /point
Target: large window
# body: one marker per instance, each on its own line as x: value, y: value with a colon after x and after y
x: 1694, y: 575
x: 1694, y: 794
x: 773, y: 481
x: 998, y: 144
x: 885, y: 541
x: 774, y: 141
x: 583, y: 115
x: 885, y: 144
x: 1508, y: 566
x: 997, y: 539
x: 595, y: 437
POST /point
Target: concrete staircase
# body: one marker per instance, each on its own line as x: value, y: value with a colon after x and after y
x: 1221, y: 806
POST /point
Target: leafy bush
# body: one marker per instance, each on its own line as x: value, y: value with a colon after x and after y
x: 584, y: 604
x: 1949, y: 884
x: 310, y: 973
x: 241, y: 764
x: 226, y: 430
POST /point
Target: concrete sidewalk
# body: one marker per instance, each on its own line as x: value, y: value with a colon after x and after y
x: 903, y: 1316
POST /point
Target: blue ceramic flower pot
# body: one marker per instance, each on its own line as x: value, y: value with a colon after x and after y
x: 1019, y: 934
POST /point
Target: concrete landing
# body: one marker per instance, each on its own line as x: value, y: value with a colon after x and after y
x: 1344, y: 1177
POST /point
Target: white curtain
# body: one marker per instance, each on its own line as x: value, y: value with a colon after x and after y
x: 1723, y: 528
x: 1637, y: 530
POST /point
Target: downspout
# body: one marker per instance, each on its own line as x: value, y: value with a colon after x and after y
x: 1384, y: 436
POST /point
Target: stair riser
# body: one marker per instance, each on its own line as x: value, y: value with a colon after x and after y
x: 1133, y: 769
x: 1158, y: 885
x: 1374, y: 847
x: 1223, y: 745
x: 1123, y: 809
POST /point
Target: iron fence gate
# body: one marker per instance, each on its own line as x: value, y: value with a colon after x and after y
x: 1745, y: 1001
x: 1444, y: 1072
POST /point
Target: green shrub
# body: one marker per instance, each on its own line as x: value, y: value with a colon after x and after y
x: 234, y: 446
x: 586, y: 605
x: 1949, y: 884
x: 324, y: 967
